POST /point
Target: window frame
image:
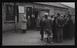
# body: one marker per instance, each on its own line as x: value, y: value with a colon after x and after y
x: 9, y: 21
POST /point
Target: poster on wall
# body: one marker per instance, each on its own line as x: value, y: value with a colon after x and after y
x: 21, y: 9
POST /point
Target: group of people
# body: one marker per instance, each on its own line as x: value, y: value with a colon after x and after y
x: 54, y: 26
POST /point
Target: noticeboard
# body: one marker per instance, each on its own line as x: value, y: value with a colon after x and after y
x: 21, y: 9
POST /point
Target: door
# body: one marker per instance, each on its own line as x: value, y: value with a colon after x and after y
x: 34, y: 17
x: 32, y: 14
x: 29, y: 17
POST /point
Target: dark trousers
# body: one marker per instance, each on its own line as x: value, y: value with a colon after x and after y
x: 48, y: 36
x: 54, y: 34
x: 59, y: 34
x: 24, y: 31
x: 42, y: 32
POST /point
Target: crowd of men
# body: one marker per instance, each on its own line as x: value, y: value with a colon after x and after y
x: 59, y: 27
x: 56, y: 26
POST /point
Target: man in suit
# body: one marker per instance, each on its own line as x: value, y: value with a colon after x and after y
x: 54, y: 30
x: 48, y: 28
x: 42, y: 24
x: 59, y: 28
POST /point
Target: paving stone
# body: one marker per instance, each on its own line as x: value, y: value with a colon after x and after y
x: 28, y: 38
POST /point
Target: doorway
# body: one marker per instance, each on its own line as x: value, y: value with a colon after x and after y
x: 32, y: 14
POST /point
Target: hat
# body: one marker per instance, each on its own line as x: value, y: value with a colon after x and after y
x: 46, y: 13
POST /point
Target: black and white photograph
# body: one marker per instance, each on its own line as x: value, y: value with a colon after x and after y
x: 38, y: 23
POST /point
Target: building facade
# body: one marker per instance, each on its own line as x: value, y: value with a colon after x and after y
x: 12, y: 13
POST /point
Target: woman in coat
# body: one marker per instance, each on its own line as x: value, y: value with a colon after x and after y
x: 24, y: 24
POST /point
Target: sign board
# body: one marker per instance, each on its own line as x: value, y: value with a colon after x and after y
x: 21, y: 9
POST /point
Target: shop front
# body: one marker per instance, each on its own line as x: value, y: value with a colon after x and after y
x: 14, y: 12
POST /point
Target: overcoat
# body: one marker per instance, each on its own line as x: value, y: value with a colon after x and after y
x: 24, y: 24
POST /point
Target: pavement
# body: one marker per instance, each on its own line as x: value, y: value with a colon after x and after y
x: 29, y: 38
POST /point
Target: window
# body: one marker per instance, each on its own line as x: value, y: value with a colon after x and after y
x: 10, y: 13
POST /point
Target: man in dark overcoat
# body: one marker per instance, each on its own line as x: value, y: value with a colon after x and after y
x: 59, y: 28
x: 42, y: 24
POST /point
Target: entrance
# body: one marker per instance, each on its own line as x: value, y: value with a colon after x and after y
x: 32, y: 14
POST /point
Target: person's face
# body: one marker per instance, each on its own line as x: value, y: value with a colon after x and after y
x: 65, y: 16
x: 43, y: 18
x: 61, y: 17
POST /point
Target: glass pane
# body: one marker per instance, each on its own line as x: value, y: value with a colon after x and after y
x: 10, y: 13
